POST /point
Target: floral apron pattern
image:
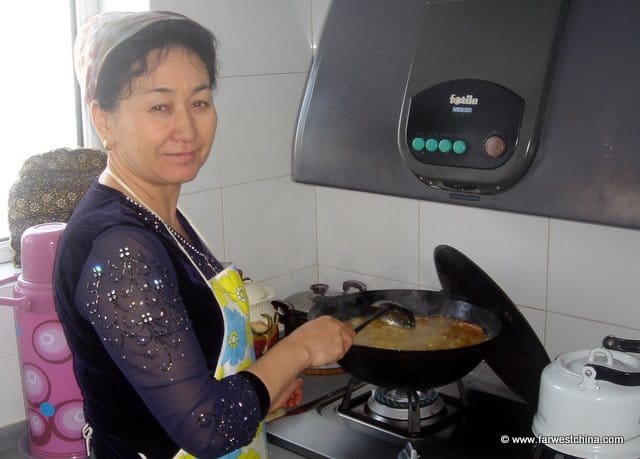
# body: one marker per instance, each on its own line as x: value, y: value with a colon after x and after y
x: 237, y: 351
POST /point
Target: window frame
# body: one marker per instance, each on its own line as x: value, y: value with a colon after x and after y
x: 79, y: 12
x: 5, y: 251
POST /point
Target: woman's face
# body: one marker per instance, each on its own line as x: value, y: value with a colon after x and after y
x: 162, y: 132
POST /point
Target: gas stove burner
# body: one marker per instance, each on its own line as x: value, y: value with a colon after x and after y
x: 396, y: 404
x: 412, y: 414
x: 397, y: 398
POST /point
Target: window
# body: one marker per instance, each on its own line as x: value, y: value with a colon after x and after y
x: 38, y: 89
x: 41, y: 106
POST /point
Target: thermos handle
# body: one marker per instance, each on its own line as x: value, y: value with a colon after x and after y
x: 22, y: 303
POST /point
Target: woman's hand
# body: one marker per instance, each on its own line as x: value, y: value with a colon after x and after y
x: 289, y: 397
x: 324, y: 340
x: 317, y: 342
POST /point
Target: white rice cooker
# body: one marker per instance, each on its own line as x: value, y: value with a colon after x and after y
x: 590, y: 401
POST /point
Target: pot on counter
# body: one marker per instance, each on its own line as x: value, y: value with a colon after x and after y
x: 293, y: 309
x: 592, y: 393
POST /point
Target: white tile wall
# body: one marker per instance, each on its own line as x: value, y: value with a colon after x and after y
x: 511, y: 248
x: 368, y: 234
x: 335, y: 277
x: 259, y: 115
x: 258, y: 37
x: 537, y: 320
x: 201, y: 11
x: 269, y: 227
x: 575, y: 282
x: 594, y: 273
x: 204, y: 210
x: 569, y: 333
x: 293, y: 282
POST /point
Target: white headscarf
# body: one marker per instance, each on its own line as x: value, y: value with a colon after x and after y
x: 101, y: 34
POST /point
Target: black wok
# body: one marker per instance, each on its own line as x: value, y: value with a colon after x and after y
x: 411, y: 369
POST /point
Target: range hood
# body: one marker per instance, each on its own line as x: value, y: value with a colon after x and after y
x: 528, y: 106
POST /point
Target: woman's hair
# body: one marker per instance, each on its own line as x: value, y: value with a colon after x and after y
x: 129, y: 59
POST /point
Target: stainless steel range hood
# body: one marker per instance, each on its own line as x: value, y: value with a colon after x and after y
x: 528, y: 106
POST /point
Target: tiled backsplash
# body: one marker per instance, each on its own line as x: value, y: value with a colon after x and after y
x: 575, y: 282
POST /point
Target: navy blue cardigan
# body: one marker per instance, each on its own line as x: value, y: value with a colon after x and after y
x: 145, y: 332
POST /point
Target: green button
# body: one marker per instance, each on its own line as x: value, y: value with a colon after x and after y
x: 431, y: 145
x: 459, y: 147
x: 417, y: 143
x: 445, y: 145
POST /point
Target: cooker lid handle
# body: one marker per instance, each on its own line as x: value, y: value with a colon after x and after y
x: 621, y: 344
x: 351, y: 283
x: 619, y: 377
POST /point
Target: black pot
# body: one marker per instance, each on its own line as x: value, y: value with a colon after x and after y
x: 411, y: 369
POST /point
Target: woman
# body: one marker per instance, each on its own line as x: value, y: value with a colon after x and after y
x: 157, y: 326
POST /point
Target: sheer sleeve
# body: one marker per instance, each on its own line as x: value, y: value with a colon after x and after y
x: 128, y: 291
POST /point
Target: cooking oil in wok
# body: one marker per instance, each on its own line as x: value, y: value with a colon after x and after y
x: 431, y: 333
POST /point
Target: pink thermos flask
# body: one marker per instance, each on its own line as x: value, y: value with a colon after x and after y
x: 52, y: 399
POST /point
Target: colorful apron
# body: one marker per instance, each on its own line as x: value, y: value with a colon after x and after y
x: 237, y: 351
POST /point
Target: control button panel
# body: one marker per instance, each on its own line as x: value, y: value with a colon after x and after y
x: 432, y: 145
x: 464, y: 123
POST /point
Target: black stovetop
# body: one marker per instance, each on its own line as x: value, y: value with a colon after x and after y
x: 485, y: 427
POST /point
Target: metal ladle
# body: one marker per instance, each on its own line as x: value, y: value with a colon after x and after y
x: 391, y: 313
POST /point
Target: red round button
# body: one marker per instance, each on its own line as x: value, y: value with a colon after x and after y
x: 495, y: 146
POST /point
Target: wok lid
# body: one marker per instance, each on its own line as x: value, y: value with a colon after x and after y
x: 517, y: 356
